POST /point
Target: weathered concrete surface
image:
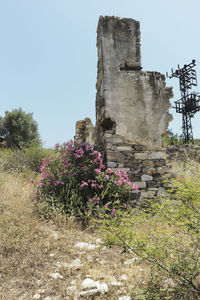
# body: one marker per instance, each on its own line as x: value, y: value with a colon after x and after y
x: 85, y: 131
x: 132, y: 103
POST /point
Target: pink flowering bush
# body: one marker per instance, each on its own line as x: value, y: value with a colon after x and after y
x: 76, y: 179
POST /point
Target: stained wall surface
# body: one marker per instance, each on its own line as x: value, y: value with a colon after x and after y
x: 129, y: 101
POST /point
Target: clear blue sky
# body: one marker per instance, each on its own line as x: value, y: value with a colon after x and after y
x: 48, y: 55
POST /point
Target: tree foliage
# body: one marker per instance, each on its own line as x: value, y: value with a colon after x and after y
x: 19, y: 129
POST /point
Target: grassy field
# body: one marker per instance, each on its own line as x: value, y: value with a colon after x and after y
x: 40, y: 259
x: 31, y: 249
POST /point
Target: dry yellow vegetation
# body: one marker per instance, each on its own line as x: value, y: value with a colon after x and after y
x: 32, y: 249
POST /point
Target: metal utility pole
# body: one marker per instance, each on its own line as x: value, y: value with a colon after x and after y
x: 189, y: 103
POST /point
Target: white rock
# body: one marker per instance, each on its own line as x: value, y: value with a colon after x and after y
x: 36, y: 296
x: 89, y: 292
x: 89, y: 257
x: 124, y: 277
x: 116, y: 283
x: 76, y: 263
x: 52, y: 254
x: 74, y: 281
x: 124, y: 298
x: 102, y: 287
x: 71, y: 288
x: 87, y: 246
x: 56, y: 275
x: 41, y: 291
x: 89, y: 283
x: 130, y: 261
x: 99, y: 241
x: 55, y: 235
x: 146, y: 177
x: 38, y: 282
x: 58, y: 264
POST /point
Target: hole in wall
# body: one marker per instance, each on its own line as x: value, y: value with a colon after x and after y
x: 108, y: 124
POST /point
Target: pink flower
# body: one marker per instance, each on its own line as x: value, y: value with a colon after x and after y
x: 80, y: 152
x: 119, y: 182
x: 98, y: 171
x: 100, y: 186
x: 124, y: 205
x: 83, y: 183
x: 107, y: 177
x: 113, y: 212
x: 56, y: 145
x: 93, y: 185
x: 109, y: 171
x: 135, y: 187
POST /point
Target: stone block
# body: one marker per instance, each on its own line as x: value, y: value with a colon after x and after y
x: 149, y: 171
x: 147, y: 194
x: 157, y: 155
x: 112, y: 164
x: 153, y: 184
x: 124, y: 148
x: 142, y: 155
x: 140, y: 184
x: 160, y: 163
x: 148, y: 163
x: 146, y: 177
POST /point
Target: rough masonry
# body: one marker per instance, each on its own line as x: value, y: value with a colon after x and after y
x: 131, y: 107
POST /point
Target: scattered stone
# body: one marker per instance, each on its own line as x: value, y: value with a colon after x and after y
x: 125, y: 298
x: 124, y: 277
x: 58, y: 264
x: 76, y: 263
x: 38, y: 282
x: 36, y: 296
x: 52, y: 254
x: 72, y: 288
x: 87, y: 246
x: 89, y: 283
x: 41, y: 291
x: 116, y: 283
x: 56, y: 275
x: 55, y: 235
x: 89, y: 292
x: 130, y: 261
x: 99, y: 241
x: 102, y: 287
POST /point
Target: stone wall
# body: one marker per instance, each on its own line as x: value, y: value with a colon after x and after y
x: 85, y: 131
x: 131, y: 107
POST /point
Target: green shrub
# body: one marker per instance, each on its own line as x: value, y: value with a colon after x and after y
x: 166, y: 238
x: 77, y: 180
x: 26, y: 161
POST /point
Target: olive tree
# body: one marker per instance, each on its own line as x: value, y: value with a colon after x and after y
x: 19, y: 129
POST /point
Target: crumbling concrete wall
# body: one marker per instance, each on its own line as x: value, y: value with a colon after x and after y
x: 85, y: 131
x: 132, y: 103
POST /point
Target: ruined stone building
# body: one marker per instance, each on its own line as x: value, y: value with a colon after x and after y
x: 131, y: 108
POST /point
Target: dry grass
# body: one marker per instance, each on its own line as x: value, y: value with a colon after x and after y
x: 31, y: 249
